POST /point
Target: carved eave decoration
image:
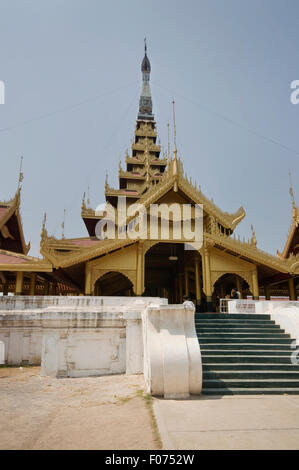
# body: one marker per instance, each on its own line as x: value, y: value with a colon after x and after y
x: 250, y: 252
x: 13, y: 207
x: 292, y: 230
x: 177, y: 180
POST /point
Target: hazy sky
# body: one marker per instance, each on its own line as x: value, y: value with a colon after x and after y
x: 72, y: 74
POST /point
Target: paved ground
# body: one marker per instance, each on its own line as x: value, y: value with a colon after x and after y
x: 87, y: 413
x: 229, y: 422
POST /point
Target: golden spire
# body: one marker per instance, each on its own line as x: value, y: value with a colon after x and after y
x: 294, y: 208
x: 88, y: 197
x: 168, y: 153
x: 44, y: 231
x: 174, y: 132
x: 21, y: 175
x: 253, y: 238
x: 62, y: 225
x: 174, y: 163
x: 83, y: 206
x: 291, y: 190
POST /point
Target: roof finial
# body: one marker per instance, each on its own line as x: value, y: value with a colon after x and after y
x: 174, y: 131
x: 83, y: 206
x: 168, y: 152
x: 21, y: 175
x: 62, y: 225
x: 145, y: 49
x: 291, y: 190
x: 88, y: 197
x: 253, y: 238
x: 44, y: 231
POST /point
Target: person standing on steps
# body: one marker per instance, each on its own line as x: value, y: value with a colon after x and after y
x: 234, y: 294
x: 187, y: 303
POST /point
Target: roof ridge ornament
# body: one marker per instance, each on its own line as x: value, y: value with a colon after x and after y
x: 253, y: 238
x: 62, y: 225
x: 291, y: 191
x: 44, y: 231
x: 175, y: 162
x: 21, y: 175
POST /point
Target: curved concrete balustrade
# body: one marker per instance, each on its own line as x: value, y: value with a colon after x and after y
x: 2, y: 352
x: 172, y: 359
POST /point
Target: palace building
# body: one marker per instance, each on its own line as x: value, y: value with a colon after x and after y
x: 149, y: 266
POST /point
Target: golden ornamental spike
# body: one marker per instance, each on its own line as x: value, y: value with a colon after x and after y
x: 174, y: 131
x: 88, y: 197
x: 168, y: 154
x: 83, y: 206
x: 294, y: 209
x: 43, y: 231
x: 253, y: 238
x: 21, y: 175
x: 62, y: 225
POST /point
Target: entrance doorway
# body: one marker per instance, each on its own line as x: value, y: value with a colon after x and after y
x: 170, y: 272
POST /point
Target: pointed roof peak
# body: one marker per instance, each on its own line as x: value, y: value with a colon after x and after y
x: 145, y: 65
x: 145, y: 102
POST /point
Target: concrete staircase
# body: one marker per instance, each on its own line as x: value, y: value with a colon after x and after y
x: 245, y: 354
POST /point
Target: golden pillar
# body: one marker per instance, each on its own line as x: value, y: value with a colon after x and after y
x: 267, y: 292
x: 255, y: 284
x: 197, y: 280
x: 139, y: 287
x: 292, y: 291
x: 46, y: 287
x: 186, y: 281
x: 87, y: 289
x: 32, y: 284
x: 19, y: 282
x: 208, y: 282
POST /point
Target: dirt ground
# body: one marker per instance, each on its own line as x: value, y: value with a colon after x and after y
x: 104, y: 412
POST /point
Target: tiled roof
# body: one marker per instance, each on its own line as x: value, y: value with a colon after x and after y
x: 11, y: 259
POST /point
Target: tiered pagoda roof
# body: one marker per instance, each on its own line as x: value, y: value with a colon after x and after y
x: 143, y: 167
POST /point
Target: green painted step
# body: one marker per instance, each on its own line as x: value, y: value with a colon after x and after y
x: 237, y: 326
x: 254, y: 383
x: 242, y: 331
x: 250, y: 391
x: 243, y: 336
x: 245, y: 347
x: 246, y: 352
x: 250, y: 359
x: 236, y: 340
x: 232, y: 316
x: 246, y: 367
x: 250, y: 374
x: 236, y: 322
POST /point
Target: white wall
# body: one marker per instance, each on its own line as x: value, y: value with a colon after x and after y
x: 75, y: 335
